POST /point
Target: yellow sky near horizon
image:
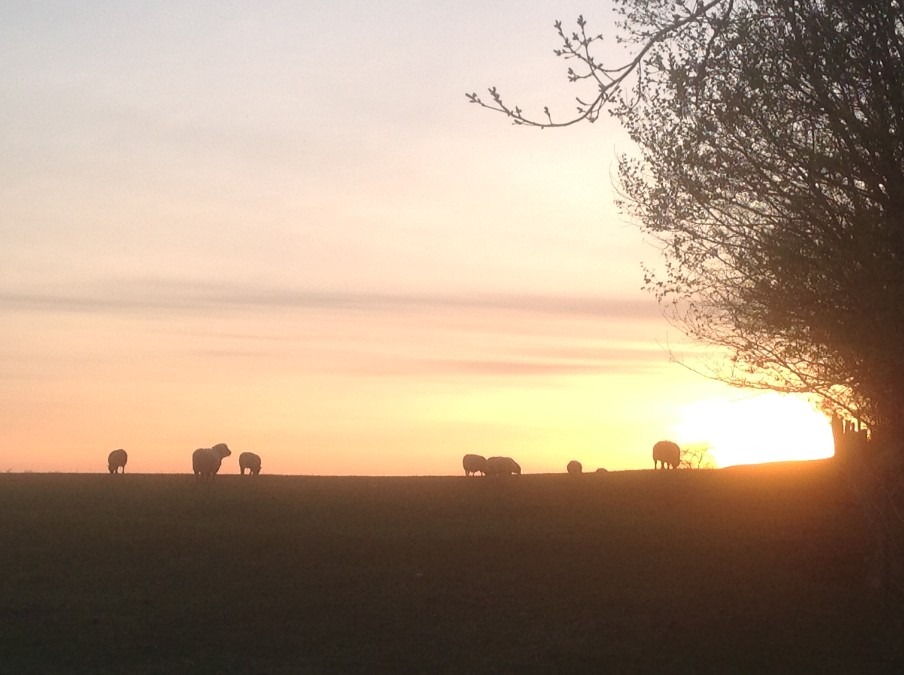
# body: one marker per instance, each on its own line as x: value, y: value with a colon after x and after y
x: 284, y: 228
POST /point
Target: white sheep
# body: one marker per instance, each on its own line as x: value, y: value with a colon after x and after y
x: 666, y: 454
x: 205, y: 462
x: 474, y: 464
x: 250, y: 461
x: 502, y: 466
x: 116, y: 460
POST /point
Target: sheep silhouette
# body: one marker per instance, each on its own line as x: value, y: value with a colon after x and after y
x: 474, y: 464
x: 666, y: 454
x: 116, y: 460
x: 574, y: 467
x: 205, y: 462
x: 502, y: 466
x: 250, y: 461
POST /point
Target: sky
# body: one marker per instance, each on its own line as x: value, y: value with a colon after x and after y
x: 282, y: 226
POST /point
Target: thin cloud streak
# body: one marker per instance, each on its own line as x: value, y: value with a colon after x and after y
x: 519, y: 362
x: 515, y: 368
x: 178, y: 298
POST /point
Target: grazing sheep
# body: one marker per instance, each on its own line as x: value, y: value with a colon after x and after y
x: 601, y: 470
x: 205, y: 462
x: 502, y: 466
x: 474, y: 464
x: 250, y: 461
x: 117, y: 460
x: 574, y: 467
x: 666, y: 454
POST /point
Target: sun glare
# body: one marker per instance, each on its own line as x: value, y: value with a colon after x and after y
x: 766, y: 427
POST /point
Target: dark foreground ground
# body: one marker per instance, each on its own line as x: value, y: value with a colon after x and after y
x: 746, y: 571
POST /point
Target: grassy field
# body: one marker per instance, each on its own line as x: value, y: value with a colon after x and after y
x: 738, y: 570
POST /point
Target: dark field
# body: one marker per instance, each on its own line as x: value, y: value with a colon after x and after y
x: 741, y: 570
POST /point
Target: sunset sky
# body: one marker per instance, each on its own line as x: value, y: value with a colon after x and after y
x: 281, y: 225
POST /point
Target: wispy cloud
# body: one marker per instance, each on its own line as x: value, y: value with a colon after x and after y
x: 520, y: 368
x: 517, y: 361
x: 373, y: 334
x: 119, y: 297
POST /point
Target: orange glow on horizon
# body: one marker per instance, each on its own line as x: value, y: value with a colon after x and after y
x: 764, y: 427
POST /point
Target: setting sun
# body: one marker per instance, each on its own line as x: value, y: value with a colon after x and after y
x: 766, y: 427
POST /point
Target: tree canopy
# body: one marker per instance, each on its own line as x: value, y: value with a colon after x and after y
x: 771, y: 169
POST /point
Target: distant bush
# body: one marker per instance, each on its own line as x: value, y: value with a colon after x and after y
x: 697, y: 456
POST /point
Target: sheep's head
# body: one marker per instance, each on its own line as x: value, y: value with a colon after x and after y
x: 222, y: 450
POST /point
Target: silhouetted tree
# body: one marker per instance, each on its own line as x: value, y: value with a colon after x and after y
x: 770, y: 166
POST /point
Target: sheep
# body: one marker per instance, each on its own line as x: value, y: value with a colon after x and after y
x: 117, y: 460
x: 250, y: 461
x: 502, y: 466
x: 666, y: 454
x: 574, y: 467
x: 205, y: 462
x: 474, y: 464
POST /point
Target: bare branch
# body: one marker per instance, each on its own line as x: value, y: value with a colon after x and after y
x: 609, y: 81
